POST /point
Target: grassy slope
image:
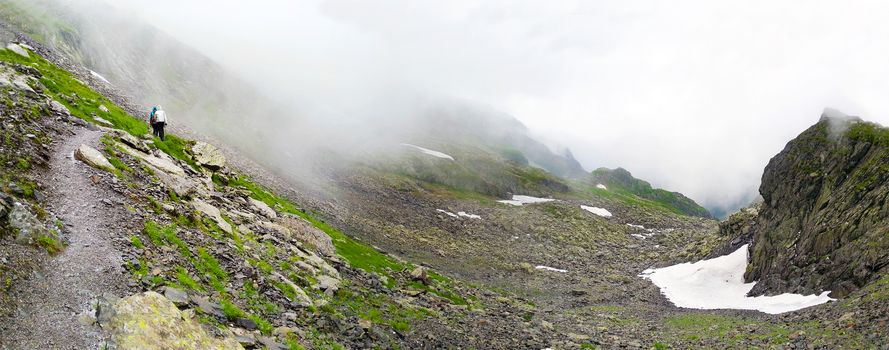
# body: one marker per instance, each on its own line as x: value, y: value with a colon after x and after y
x: 61, y: 83
x: 621, y: 181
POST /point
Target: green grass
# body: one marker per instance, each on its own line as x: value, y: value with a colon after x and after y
x: 357, y: 254
x: 869, y: 132
x: 50, y: 243
x: 59, y: 83
x: 154, y: 233
x: 176, y: 147
x: 185, y: 280
x: 136, y: 242
x: 208, y: 263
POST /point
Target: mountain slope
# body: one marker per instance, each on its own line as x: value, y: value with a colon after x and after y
x: 621, y: 180
x: 387, y: 261
x: 824, y: 224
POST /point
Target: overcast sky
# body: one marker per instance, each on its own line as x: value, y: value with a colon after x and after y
x: 694, y: 96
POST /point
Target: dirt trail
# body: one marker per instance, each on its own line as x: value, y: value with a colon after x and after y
x: 52, y: 300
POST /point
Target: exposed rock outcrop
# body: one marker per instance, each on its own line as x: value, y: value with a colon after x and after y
x: 150, y: 321
x: 825, y: 215
x: 305, y: 232
x: 208, y: 155
x: 213, y: 213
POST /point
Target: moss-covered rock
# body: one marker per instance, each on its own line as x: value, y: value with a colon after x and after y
x: 824, y: 224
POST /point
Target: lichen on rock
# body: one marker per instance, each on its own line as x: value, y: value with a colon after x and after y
x: 149, y: 321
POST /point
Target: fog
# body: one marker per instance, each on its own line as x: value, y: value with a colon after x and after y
x: 693, y: 96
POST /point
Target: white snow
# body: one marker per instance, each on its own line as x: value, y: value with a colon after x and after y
x: 601, y: 187
x: 636, y: 226
x: 718, y: 283
x: 459, y: 214
x: 638, y: 236
x: 446, y: 212
x: 429, y: 151
x: 468, y: 215
x: 547, y: 268
x: 598, y: 211
x: 519, y: 200
x: 100, y: 77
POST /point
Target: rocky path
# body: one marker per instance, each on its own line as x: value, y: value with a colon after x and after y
x: 52, y: 302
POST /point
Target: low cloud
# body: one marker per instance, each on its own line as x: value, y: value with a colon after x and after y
x: 694, y: 96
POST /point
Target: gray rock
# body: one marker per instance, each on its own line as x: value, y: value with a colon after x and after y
x: 93, y: 158
x: 263, y: 209
x: 208, y: 155
x: 103, y: 121
x: 419, y: 274
x: 246, y: 323
x: 6, y: 203
x: 18, y: 49
x: 307, y: 233
x: 212, y: 212
x: 177, y: 296
x: 247, y: 340
x: 328, y: 284
x: 58, y: 107
x: 105, y: 308
x: 149, y: 321
x: 271, y: 344
x: 25, y: 225
x: 132, y: 141
x: 208, y: 307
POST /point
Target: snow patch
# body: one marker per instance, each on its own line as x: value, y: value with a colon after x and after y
x: 547, y: 268
x: 429, y: 151
x: 467, y: 215
x: 519, y: 200
x: 601, y: 187
x: 636, y: 226
x: 459, y: 214
x: 598, y: 211
x: 100, y: 77
x: 718, y: 283
x: 446, y: 212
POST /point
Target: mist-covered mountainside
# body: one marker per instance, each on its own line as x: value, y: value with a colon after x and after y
x: 464, y: 233
x: 154, y: 68
x: 824, y: 223
x: 621, y: 180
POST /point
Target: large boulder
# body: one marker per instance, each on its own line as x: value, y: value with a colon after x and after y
x: 181, y: 185
x: 132, y: 141
x: 307, y: 233
x: 208, y: 155
x: 149, y: 321
x: 163, y: 163
x: 93, y: 158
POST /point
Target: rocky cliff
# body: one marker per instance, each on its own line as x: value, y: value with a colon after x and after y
x: 824, y: 223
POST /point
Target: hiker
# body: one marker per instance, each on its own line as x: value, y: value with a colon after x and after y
x: 158, y: 120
